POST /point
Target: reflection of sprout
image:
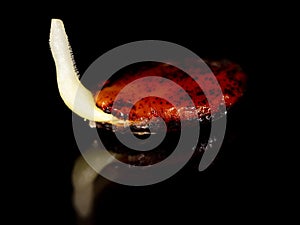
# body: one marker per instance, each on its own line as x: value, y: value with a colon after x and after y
x: 83, y: 179
x: 70, y: 88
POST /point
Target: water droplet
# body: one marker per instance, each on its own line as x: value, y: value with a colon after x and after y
x: 92, y: 124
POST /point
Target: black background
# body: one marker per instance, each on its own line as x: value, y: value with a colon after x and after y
x: 239, y: 184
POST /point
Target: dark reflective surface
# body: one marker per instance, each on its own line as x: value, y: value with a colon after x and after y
x: 232, y: 185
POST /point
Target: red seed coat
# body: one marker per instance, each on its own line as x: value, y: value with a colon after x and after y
x: 229, y: 75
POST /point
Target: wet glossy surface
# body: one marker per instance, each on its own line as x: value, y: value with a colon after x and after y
x: 229, y: 75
